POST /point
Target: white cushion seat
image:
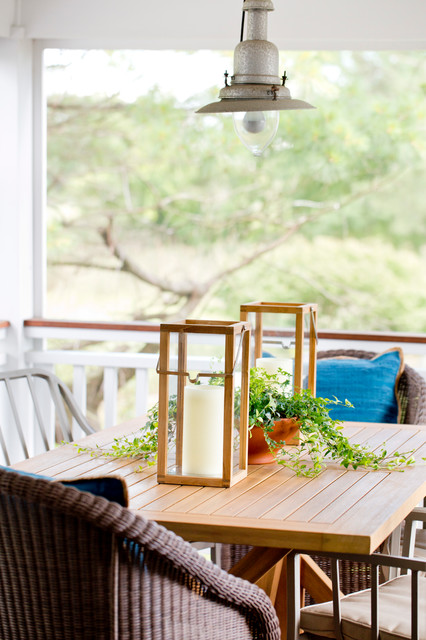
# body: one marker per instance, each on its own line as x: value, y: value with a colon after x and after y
x: 394, y: 613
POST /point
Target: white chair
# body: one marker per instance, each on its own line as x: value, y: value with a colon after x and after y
x: 394, y: 610
x: 36, y: 386
x: 414, y: 542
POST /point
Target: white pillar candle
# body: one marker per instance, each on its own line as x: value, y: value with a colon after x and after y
x: 271, y: 365
x: 202, y: 445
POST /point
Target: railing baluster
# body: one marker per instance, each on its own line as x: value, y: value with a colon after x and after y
x: 110, y: 395
x: 4, y: 447
x: 79, y: 389
x: 141, y: 400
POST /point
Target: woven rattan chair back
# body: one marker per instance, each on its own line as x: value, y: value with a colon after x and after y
x: 38, y: 398
x: 79, y: 567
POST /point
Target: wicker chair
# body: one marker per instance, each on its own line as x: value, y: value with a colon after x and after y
x: 394, y: 610
x: 37, y: 385
x: 78, y: 567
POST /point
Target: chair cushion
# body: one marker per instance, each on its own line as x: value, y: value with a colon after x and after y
x: 370, y: 385
x: 394, y: 613
x: 112, y: 488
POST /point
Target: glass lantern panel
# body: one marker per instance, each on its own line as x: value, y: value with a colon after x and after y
x: 237, y: 425
x: 195, y: 445
x: 278, y: 345
x: 204, y: 352
x: 196, y: 405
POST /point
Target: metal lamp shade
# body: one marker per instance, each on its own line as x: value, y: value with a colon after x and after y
x: 233, y: 105
x: 255, y: 85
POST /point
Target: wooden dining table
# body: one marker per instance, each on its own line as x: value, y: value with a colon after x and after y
x: 278, y: 513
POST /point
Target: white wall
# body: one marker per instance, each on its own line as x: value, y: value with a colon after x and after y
x: 16, y: 211
x: 7, y: 8
x: 204, y: 24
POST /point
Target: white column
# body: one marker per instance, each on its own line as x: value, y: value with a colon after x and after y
x: 16, y: 213
x: 16, y: 193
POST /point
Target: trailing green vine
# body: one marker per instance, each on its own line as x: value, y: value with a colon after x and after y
x: 270, y: 399
x: 321, y: 437
x: 143, y: 443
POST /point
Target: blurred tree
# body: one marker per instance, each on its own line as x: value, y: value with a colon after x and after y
x: 150, y: 193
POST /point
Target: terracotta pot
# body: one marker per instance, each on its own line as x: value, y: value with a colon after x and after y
x: 258, y: 451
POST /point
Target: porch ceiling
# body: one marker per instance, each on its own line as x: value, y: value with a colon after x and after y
x: 198, y: 24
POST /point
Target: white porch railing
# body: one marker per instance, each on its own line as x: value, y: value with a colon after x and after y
x: 144, y: 364
x: 42, y: 333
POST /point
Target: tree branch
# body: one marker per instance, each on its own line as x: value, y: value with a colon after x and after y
x: 192, y: 293
x: 129, y: 266
x: 292, y: 228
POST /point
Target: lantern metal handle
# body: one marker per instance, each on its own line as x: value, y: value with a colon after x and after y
x: 205, y: 375
x: 286, y: 344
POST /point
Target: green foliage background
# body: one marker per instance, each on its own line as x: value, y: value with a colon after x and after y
x: 156, y: 212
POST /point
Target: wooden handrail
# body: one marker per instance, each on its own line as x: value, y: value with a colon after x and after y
x: 370, y: 336
x: 4, y: 324
x: 109, y: 326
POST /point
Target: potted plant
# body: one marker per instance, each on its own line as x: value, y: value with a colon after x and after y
x: 298, y: 432
x: 294, y: 430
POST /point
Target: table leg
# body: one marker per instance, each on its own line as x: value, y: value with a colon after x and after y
x: 283, y: 574
x: 270, y: 582
x: 257, y: 562
x: 265, y: 567
x: 293, y: 595
x: 394, y: 550
x: 315, y: 580
x: 281, y: 600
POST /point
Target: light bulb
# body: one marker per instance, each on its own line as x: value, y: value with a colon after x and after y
x: 256, y: 129
x: 254, y: 121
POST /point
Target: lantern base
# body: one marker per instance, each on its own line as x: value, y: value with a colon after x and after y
x: 198, y: 481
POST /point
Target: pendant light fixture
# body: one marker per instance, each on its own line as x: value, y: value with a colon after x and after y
x: 256, y: 93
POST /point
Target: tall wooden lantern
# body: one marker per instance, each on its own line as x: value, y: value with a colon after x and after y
x: 284, y: 335
x: 203, y: 403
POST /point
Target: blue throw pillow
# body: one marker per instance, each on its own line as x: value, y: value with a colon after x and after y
x: 110, y: 487
x: 370, y: 385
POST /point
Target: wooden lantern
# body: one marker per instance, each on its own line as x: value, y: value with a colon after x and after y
x: 203, y: 403
x: 289, y: 339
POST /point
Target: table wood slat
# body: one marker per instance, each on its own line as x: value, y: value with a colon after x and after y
x: 275, y: 484
x: 316, y: 504
x: 307, y: 491
x: 338, y: 507
x: 253, y: 484
x: 262, y: 505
